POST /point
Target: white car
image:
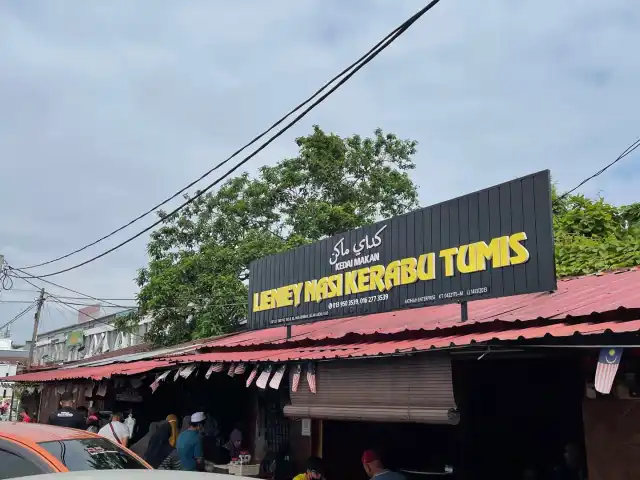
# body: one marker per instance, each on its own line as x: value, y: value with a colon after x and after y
x: 135, y: 475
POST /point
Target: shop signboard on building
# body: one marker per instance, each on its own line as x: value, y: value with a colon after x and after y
x: 492, y: 243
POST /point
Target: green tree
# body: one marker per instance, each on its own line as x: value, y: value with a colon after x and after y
x: 592, y: 235
x: 195, y: 283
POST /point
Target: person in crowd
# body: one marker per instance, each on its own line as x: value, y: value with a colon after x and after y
x: 190, y: 444
x: 374, y: 467
x: 173, y: 423
x: 23, y: 416
x: 186, y: 422
x: 160, y: 454
x: 93, y: 420
x: 282, y: 468
x: 141, y: 446
x: 572, y: 468
x: 314, y: 470
x: 84, y: 411
x: 66, y: 415
x: 234, y: 445
x: 116, y: 430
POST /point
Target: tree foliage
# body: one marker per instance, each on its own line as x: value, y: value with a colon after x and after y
x: 195, y: 283
x: 592, y: 235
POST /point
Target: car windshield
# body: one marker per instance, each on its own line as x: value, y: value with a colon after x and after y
x: 91, y: 454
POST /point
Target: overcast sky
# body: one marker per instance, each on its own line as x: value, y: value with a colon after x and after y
x: 108, y: 107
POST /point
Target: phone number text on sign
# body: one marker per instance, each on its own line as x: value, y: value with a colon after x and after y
x: 358, y: 301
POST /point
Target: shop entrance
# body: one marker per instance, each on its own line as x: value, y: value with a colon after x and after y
x: 403, y: 446
x: 518, y: 414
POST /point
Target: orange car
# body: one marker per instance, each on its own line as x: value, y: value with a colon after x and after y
x: 32, y: 449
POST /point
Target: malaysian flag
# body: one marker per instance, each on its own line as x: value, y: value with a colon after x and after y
x: 311, y: 377
x: 240, y: 369
x: 156, y: 382
x: 277, y: 377
x: 218, y: 367
x: 608, y: 363
x: 264, y: 377
x: 178, y: 372
x: 209, y: 371
x: 252, y: 376
x: 188, y: 370
x: 232, y: 370
x: 295, y: 380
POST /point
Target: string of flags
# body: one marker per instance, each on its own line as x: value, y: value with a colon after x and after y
x: 264, y: 375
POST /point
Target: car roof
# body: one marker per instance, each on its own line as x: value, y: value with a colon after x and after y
x: 36, y: 432
x: 136, y: 475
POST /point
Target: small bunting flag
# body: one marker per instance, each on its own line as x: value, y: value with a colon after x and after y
x: 232, y: 370
x: 218, y: 367
x: 252, y: 376
x: 210, y: 371
x: 608, y: 363
x: 240, y: 369
x: 311, y: 377
x: 188, y: 370
x: 178, y: 372
x: 277, y: 377
x: 295, y: 379
x: 263, y: 379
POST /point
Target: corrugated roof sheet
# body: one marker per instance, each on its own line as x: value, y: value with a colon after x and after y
x: 502, y: 332
x: 576, y: 297
x: 569, y: 311
x: 94, y: 373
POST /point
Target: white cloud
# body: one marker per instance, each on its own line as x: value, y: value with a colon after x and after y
x: 107, y: 108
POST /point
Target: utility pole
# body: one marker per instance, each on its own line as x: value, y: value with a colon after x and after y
x: 36, y: 322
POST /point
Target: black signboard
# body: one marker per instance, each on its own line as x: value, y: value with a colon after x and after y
x: 491, y: 243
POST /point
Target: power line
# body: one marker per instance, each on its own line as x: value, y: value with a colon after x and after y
x: 20, y: 315
x: 68, y: 305
x: 28, y: 275
x: 627, y: 151
x: 374, y: 52
x: 237, y: 152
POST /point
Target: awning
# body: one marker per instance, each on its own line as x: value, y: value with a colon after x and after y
x: 93, y: 373
x: 364, y: 346
x: 501, y: 331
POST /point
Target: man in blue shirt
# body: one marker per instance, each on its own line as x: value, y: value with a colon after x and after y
x: 189, y: 444
x: 375, y: 469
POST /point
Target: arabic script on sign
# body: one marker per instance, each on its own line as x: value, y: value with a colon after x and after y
x: 339, y: 249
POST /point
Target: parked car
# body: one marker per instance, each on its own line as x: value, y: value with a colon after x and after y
x: 33, y: 449
x: 139, y: 475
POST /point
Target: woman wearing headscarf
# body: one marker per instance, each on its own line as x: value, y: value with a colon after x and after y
x: 140, y: 447
x: 173, y: 422
x: 234, y: 445
x: 160, y: 454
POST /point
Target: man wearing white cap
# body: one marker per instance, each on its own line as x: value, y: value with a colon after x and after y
x: 189, y: 444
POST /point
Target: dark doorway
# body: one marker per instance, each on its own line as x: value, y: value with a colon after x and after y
x: 518, y: 414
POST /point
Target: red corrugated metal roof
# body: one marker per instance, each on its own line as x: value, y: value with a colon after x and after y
x: 576, y: 297
x: 95, y: 373
x: 502, y: 332
x: 502, y: 319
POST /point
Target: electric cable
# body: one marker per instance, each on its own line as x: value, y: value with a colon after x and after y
x: 219, y: 165
x: 627, y: 151
x: 55, y: 299
x: 368, y: 58
x: 20, y: 315
x: 28, y: 275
